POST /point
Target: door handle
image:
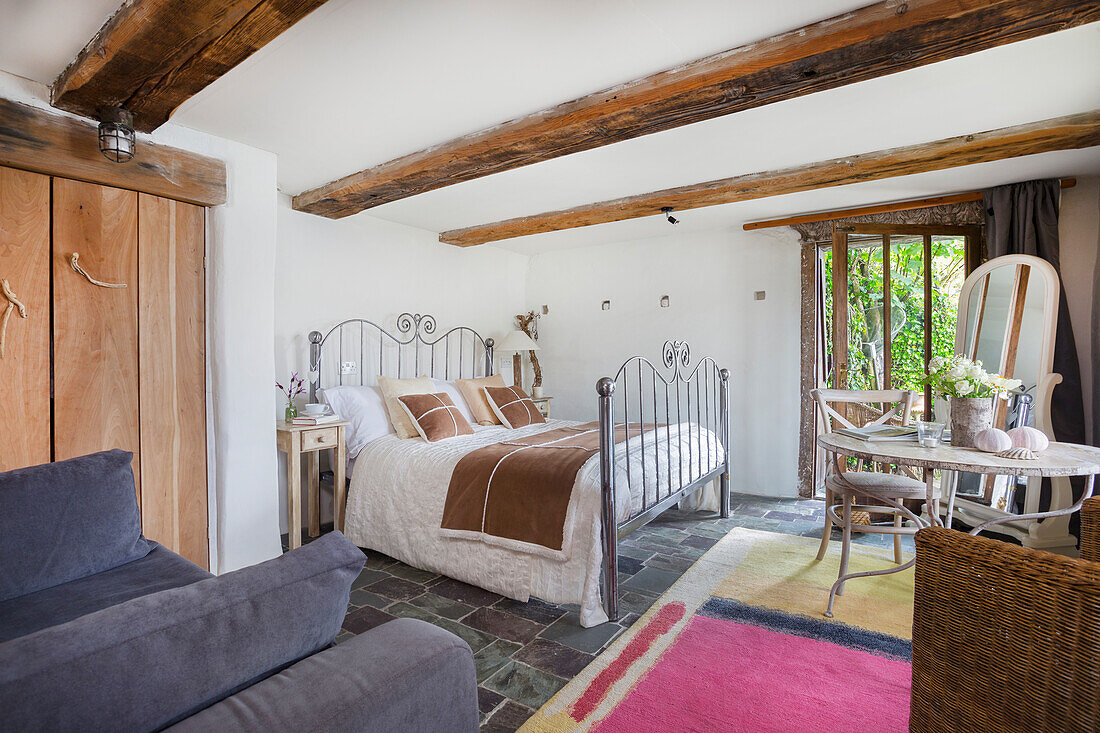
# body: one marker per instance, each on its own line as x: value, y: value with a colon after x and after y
x: 74, y: 261
x: 13, y: 304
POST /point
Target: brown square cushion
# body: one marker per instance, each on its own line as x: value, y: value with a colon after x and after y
x: 435, y: 416
x: 512, y: 405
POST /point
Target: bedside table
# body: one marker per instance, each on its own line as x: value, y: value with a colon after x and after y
x: 542, y: 404
x: 294, y: 440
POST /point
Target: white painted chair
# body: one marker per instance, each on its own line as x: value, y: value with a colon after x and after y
x: 876, y: 492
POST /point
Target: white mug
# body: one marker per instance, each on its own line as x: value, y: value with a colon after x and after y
x: 314, y: 408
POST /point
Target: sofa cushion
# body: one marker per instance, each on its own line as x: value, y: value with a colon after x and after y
x: 153, y: 660
x: 405, y: 675
x: 67, y: 520
x: 160, y: 570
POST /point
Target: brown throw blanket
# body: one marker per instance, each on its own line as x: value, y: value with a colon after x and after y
x: 519, y: 490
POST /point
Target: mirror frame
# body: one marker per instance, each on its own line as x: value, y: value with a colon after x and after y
x: 1046, y: 379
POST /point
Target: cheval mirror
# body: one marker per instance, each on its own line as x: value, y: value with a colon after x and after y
x: 1008, y: 313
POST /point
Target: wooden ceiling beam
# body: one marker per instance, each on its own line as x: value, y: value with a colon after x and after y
x: 153, y: 55
x: 1063, y: 133
x: 871, y: 42
x: 44, y: 141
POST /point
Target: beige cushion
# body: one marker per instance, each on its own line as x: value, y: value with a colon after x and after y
x: 394, y: 388
x: 889, y: 485
x: 473, y: 390
x: 512, y: 405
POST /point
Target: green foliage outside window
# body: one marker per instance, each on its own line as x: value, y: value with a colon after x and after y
x: 865, y: 338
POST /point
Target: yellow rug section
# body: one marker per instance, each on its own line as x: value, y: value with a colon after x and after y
x: 780, y: 572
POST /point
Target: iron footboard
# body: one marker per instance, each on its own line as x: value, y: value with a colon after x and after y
x: 696, y: 402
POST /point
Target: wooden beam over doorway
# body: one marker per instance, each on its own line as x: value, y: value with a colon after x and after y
x: 45, y: 141
x: 1063, y: 133
x: 153, y: 55
x: 925, y: 203
x: 868, y: 43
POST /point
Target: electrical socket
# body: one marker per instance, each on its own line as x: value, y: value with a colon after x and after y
x: 349, y: 367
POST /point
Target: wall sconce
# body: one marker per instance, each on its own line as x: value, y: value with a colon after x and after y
x: 664, y: 301
x: 606, y: 305
x: 116, y: 134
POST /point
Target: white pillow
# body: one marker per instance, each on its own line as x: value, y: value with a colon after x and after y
x: 455, y: 394
x: 364, y: 409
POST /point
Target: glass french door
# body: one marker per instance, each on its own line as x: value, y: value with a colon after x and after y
x: 891, y: 296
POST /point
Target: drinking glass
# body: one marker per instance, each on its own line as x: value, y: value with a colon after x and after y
x: 929, y: 433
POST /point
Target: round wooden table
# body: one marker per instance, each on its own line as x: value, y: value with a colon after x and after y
x: 1059, y: 459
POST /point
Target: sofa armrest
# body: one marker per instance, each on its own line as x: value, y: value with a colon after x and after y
x: 405, y: 675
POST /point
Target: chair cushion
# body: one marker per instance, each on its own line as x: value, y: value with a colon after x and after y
x: 889, y: 485
x: 67, y: 520
x: 151, y: 661
x: 160, y: 570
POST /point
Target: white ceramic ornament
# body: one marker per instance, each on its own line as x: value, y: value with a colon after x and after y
x: 992, y: 440
x: 1030, y: 438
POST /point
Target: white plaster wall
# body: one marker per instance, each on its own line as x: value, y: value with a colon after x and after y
x: 240, y: 243
x: 710, y: 278
x: 1079, y: 243
x: 363, y: 267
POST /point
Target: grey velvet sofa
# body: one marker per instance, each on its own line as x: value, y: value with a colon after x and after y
x: 102, y: 629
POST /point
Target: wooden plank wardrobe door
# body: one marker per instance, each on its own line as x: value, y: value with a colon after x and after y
x: 95, y: 323
x: 24, y: 319
x: 172, y: 364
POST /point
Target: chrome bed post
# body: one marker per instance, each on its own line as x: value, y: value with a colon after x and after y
x: 489, y: 344
x: 724, y: 436
x: 315, y: 340
x: 605, y: 388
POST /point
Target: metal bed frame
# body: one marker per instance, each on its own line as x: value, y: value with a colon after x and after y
x: 648, y: 396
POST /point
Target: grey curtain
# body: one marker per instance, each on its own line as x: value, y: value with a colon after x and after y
x: 1022, y: 218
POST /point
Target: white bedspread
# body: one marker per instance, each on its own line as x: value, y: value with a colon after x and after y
x: 399, y: 487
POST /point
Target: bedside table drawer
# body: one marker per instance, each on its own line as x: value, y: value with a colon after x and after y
x: 320, y: 438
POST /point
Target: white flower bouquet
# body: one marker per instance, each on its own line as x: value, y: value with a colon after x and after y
x: 963, y: 377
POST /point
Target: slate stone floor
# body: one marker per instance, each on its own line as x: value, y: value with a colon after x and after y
x: 526, y: 652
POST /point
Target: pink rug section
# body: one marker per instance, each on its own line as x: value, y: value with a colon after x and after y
x: 722, y: 675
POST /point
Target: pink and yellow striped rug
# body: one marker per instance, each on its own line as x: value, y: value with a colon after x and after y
x: 739, y: 643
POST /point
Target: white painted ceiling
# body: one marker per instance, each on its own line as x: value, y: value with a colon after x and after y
x: 39, y: 39
x: 360, y: 82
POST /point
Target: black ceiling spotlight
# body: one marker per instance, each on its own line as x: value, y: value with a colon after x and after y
x: 667, y: 211
x: 116, y: 134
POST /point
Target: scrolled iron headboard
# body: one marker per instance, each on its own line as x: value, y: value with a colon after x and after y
x: 459, y: 353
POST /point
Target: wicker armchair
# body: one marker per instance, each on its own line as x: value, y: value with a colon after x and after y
x: 1006, y: 638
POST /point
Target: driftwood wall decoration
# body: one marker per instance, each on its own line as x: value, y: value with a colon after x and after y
x: 528, y: 324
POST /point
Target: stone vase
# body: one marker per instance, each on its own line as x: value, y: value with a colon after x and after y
x: 969, y: 416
